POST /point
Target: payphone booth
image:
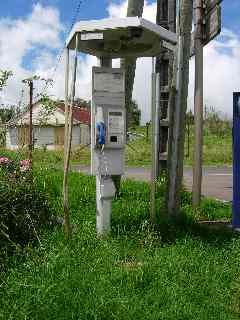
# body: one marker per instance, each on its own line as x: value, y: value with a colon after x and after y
x: 236, y: 161
x: 109, y: 39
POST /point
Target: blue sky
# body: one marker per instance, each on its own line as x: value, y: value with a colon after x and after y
x: 95, y: 9
x: 39, y: 28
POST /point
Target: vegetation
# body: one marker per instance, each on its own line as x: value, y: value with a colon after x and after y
x: 83, y: 103
x: 4, y: 76
x: 135, y: 114
x: 184, y: 271
x: 24, y: 207
x: 217, y: 140
x: 7, y: 113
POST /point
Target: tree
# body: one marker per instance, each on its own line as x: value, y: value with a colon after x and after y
x: 8, y: 113
x: 135, y: 8
x: 134, y: 114
x: 83, y: 103
x: 190, y: 117
x: 4, y: 76
x: 4, y: 115
x: 49, y: 107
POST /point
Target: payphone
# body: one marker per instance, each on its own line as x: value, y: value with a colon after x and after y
x: 108, y: 121
x: 108, y: 135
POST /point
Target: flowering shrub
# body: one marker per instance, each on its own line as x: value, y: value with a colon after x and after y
x: 4, y: 161
x: 24, y: 209
x: 24, y: 165
x: 14, y: 170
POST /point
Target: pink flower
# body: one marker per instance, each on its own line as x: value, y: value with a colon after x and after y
x: 24, y: 165
x: 4, y: 160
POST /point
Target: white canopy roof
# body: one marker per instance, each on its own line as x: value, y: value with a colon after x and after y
x: 121, y: 37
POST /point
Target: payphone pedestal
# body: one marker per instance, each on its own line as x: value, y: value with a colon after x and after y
x: 105, y: 192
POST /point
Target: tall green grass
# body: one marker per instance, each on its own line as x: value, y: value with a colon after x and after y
x: 139, y: 272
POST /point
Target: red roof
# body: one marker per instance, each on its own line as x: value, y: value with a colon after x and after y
x: 80, y: 114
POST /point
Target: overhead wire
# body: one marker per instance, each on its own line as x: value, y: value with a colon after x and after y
x: 74, y: 19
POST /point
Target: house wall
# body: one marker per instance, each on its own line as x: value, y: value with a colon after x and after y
x: 44, y: 136
x: 12, y: 138
x: 50, y: 137
x: 76, y: 135
x: 39, y: 117
x: 85, y: 134
x: 53, y: 137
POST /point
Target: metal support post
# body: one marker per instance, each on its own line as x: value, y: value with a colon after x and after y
x: 157, y: 122
x: 154, y: 162
x: 30, y: 136
x: 236, y: 161
x: 198, y: 105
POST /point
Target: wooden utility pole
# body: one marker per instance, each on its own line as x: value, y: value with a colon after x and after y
x: 30, y: 133
x: 166, y: 17
x: 198, y: 104
x: 178, y: 101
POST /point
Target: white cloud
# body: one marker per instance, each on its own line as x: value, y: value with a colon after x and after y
x: 37, y: 34
x: 40, y: 32
x: 221, y: 72
x: 120, y: 10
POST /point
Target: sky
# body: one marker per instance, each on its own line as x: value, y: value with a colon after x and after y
x: 33, y: 32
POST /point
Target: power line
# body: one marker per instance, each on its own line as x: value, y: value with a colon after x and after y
x: 74, y: 19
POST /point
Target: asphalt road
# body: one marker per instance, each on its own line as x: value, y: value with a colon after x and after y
x: 217, y: 182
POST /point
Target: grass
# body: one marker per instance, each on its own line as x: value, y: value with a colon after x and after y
x: 171, y: 272
x: 217, y: 151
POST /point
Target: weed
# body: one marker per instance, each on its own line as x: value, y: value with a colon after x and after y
x: 140, y: 272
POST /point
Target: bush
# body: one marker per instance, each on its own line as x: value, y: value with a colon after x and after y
x: 24, y: 209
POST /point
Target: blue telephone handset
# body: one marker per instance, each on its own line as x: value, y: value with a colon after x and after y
x: 100, y: 126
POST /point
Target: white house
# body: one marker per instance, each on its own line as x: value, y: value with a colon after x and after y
x: 48, y: 129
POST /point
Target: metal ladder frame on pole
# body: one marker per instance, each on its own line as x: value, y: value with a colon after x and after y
x: 166, y: 17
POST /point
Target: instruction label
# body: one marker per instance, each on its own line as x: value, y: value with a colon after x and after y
x: 91, y: 36
x: 109, y: 82
x: 116, y: 123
